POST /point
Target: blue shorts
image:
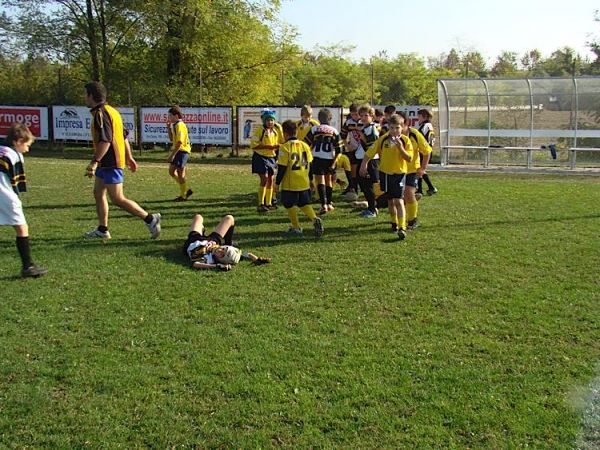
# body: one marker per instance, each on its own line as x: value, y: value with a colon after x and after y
x: 180, y: 159
x: 263, y: 164
x: 392, y: 185
x: 110, y: 175
x: 295, y: 198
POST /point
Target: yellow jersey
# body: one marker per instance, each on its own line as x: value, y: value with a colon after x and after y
x: 343, y: 162
x: 107, y: 126
x: 302, y: 129
x: 295, y: 155
x: 420, y: 145
x: 390, y: 160
x: 266, y: 136
x: 178, y: 132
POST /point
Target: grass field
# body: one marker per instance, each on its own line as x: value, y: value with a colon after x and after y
x: 479, y: 331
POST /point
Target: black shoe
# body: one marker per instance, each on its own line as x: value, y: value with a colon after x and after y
x: 394, y: 228
x: 179, y: 199
x: 188, y: 194
x: 431, y: 191
x: 262, y: 209
x: 401, y: 234
x: 272, y: 207
x: 33, y: 271
x: 412, y: 224
x: 274, y: 201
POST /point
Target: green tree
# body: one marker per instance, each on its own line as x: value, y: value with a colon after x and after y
x: 505, y: 65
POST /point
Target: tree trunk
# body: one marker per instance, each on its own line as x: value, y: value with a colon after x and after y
x: 93, y: 40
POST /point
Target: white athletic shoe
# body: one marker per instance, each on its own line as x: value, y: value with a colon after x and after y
x: 154, y: 226
x: 96, y: 233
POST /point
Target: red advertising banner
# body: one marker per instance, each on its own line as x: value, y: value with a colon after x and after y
x: 35, y: 117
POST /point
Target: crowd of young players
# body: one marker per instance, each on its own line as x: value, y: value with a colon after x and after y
x: 385, y: 159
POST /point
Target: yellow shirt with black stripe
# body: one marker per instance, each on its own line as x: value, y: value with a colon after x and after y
x: 295, y: 155
x: 107, y: 126
x: 302, y: 128
x: 266, y: 136
x: 420, y: 145
x: 391, y: 161
x: 179, y: 133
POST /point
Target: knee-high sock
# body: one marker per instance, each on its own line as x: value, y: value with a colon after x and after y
x: 329, y: 193
x: 428, y: 181
x: 367, y: 187
x: 261, y: 195
x: 293, y: 215
x: 24, y: 251
x: 322, y: 194
x: 309, y: 211
x: 411, y: 210
x: 268, y: 196
x: 183, y: 188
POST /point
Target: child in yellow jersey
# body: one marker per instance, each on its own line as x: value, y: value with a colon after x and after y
x: 265, y: 143
x: 416, y: 168
x: 343, y: 162
x: 181, y: 149
x: 305, y: 123
x: 394, y: 152
x: 292, y: 175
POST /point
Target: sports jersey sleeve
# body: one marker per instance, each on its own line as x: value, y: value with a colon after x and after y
x: 103, y: 130
x: 310, y: 136
x: 256, y: 137
x: 374, y: 149
x: 422, y: 145
x: 179, y: 133
x: 284, y: 155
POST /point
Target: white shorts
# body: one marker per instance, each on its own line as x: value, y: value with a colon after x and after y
x: 11, y: 209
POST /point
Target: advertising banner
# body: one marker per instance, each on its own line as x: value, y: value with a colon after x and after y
x: 73, y: 123
x: 409, y: 110
x: 248, y: 118
x: 206, y: 125
x: 35, y: 117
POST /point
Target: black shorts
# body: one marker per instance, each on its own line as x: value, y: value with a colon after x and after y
x: 263, y: 164
x: 372, y: 171
x: 392, y: 185
x: 352, y: 157
x: 412, y: 180
x: 194, y: 236
x: 295, y: 198
x: 321, y: 166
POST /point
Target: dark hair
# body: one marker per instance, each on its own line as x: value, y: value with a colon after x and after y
x: 325, y: 116
x: 378, y: 112
x: 353, y: 107
x: 176, y: 111
x: 97, y: 90
x: 389, y: 109
x: 425, y: 113
x: 289, y: 127
x: 18, y: 132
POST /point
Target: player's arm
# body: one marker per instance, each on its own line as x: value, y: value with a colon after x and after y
x: 103, y: 139
x: 217, y: 266
x: 397, y: 140
x: 363, y: 166
x: 129, y: 160
x: 256, y: 260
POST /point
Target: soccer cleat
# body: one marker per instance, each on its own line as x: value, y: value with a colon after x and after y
x: 401, y: 234
x: 294, y: 231
x: 96, y: 233
x: 272, y: 207
x: 418, y: 196
x: 432, y: 191
x: 394, y: 228
x: 262, y: 208
x: 330, y: 207
x: 154, y: 226
x: 412, y: 224
x: 368, y: 214
x: 188, y: 194
x: 318, y: 225
x: 33, y: 271
x: 179, y: 199
x: 323, y: 210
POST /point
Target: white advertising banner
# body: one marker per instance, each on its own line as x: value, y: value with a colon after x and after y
x: 35, y: 117
x: 410, y: 111
x: 206, y: 125
x: 248, y: 118
x: 73, y: 123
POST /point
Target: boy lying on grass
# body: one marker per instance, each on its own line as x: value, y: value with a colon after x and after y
x: 216, y: 251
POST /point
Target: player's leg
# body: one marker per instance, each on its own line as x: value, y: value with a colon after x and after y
x: 262, y: 189
x: 328, y: 179
x: 269, y: 191
x: 225, y: 228
x: 101, y: 231
x: 321, y: 190
x: 29, y: 270
x: 410, y: 201
x: 306, y: 208
x: 197, y: 224
x: 152, y: 221
x: 431, y: 189
x: 184, y: 190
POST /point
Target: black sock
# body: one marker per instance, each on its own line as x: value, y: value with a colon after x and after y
x: 329, y: 192
x: 322, y: 194
x: 24, y: 251
x: 428, y: 181
x: 148, y: 218
x: 349, y: 178
x: 228, y: 238
x: 420, y: 186
x: 102, y: 228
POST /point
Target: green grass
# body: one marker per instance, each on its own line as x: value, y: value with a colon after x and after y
x: 480, y: 331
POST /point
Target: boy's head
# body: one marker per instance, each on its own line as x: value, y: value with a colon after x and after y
x: 289, y: 128
x: 95, y: 93
x: 354, y: 112
x: 306, y: 112
x: 268, y: 117
x: 325, y: 116
x: 366, y: 113
x: 227, y: 254
x: 396, y: 124
x: 175, y: 112
x: 378, y: 115
x: 19, y: 137
x: 389, y: 110
x: 423, y: 115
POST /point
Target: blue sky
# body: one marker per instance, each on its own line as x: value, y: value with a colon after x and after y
x: 486, y: 26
